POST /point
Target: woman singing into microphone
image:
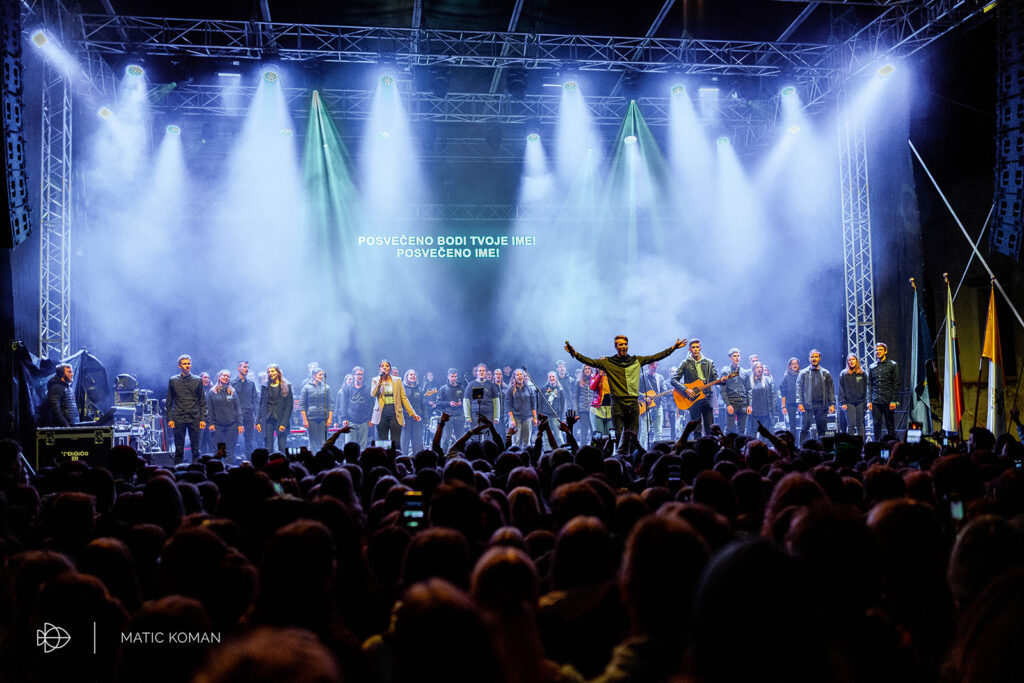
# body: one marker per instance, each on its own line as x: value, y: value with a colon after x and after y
x: 390, y: 398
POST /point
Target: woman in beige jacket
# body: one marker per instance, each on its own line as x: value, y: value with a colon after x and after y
x: 388, y: 413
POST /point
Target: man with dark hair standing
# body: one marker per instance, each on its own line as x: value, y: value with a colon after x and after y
x: 697, y: 367
x: 449, y: 400
x: 815, y: 397
x: 623, y: 371
x: 186, y: 408
x: 357, y: 409
x: 488, y: 404
x: 736, y: 392
x: 248, y: 403
x: 883, y: 389
x: 60, y: 397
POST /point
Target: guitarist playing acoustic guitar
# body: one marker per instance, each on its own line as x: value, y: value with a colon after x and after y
x: 696, y: 368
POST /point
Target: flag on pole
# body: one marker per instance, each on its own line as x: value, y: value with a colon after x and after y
x: 992, y: 349
x: 921, y: 353
x: 952, y: 385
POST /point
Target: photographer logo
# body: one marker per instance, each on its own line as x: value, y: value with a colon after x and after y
x: 51, y: 637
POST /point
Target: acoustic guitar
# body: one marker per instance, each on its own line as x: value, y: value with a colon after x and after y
x: 648, y: 399
x: 683, y: 402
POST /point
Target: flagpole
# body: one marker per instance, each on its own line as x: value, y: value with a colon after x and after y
x: 963, y: 277
x: 977, y: 253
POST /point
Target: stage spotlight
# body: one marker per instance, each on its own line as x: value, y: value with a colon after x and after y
x: 270, y: 76
x: 515, y: 83
x: 708, y: 90
x: 286, y: 132
x: 134, y: 70
x: 40, y: 38
x: 104, y: 112
x: 383, y: 135
x: 793, y: 130
x: 173, y: 130
x: 387, y: 80
x: 570, y: 86
x: 886, y: 70
x: 788, y: 91
x: 533, y: 137
x: 630, y: 140
x: 228, y: 74
x: 722, y: 141
x: 678, y: 89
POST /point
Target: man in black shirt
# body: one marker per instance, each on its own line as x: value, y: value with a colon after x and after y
x: 186, y: 408
x: 884, y: 388
x: 248, y: 402
x: 449, y: 400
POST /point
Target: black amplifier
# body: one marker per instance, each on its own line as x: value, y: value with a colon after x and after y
x: 55, y: 445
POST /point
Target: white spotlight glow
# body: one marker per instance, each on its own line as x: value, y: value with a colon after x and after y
x: 793, y: 130
x: 173, y: 130
x: 40, y: 38
x: 533, y: 137
x: 630, y: 140
x: 678, y: 89
x: 134, y: 70
x: 723, y: 141
x: 886, y: 70
x: 105, y: 112
x: 788, y: 91
x: 270, y: 76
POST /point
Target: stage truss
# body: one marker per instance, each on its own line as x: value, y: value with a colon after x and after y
x: 823, y: 70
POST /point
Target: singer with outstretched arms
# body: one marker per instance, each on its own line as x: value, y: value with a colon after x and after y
x: 623, y: 371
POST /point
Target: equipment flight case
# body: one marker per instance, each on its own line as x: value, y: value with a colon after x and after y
x: 55, y: 445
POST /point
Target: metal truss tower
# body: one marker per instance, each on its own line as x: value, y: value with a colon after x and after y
x: 858, y: 269
x: 55, y: 214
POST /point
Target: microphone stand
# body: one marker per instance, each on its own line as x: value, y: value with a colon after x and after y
x: 647, y: 410
x: 542, y: 394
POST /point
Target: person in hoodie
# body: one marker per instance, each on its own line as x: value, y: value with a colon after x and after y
x: 623, y: 372
x: 317, y: 405
x: 60, y: 397
x: 223, y: 408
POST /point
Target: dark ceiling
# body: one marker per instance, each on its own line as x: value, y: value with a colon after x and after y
x: 754, y: 20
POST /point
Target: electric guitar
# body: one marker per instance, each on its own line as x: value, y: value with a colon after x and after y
x: 647, y: 399
x: 683, y: 402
